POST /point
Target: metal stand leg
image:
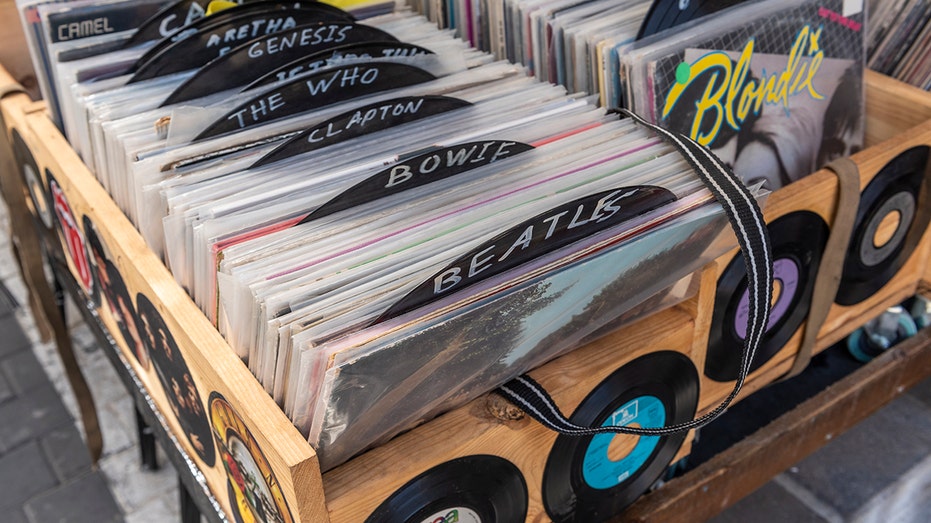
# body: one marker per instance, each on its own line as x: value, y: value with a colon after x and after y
x: 146, y: 443
x: 59, y: 290
x: 189, y: 511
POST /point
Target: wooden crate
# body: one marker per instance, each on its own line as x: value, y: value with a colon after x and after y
x: 248, y: 430
x: 891, y: 108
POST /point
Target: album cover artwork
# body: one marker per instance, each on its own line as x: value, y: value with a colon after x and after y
x: 775, y: 90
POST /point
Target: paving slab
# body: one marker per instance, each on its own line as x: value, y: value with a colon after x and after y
x: 30, y: 416
x: 13, y: 515
x: 12, y: 337
x: 869, y: 458
x: 922, y: 392
x: 771, y: 503
x: 24, y: 372
x: 24, y: 473
x: 66, y: 452
x: 85, y: 499
x: 6, y: 391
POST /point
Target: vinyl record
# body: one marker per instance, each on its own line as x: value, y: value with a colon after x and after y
x: 890, y: 222
x: 664, y: 14
x: 29, y: 170
x: 798, y: 241
x: 472, y: 489
x: 588, y: 479
x: 176, y: 379
x: 97, y: 257
x: 255, y: 496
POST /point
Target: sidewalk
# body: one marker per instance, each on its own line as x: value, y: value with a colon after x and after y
x: 44, y: 467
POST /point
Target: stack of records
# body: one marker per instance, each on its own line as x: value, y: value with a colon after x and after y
x: 900, y: 40
x: 773, y: 88
x: 381, y: 220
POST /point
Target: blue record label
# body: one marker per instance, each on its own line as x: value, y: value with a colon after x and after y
x: 598, y: 469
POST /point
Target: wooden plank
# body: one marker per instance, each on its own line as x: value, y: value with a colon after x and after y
x: 13, y: 53
x: 738, y: 471
x: 892, y: 107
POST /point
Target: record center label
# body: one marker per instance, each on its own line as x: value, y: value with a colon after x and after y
x: 454, y: 515
x: 786, y: 274
x: 601, y: 472
x: 536, y: 237
x: 873, y: 251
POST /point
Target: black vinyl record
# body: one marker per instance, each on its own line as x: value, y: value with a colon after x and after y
x: 893, y: 197
x: 664, y: 14
x: 29, y: 170
x: 472, y: 489
x: 582, y: 482
x: 798, y: 240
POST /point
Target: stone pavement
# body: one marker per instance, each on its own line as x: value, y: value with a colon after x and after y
x: 44, y: 467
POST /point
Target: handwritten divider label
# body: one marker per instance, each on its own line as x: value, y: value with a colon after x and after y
x: 98, y: 20
x: 309, y: 12
x: 542, y: 234
x: 362, y: 121
x: 420, y: 170
x: 170, y: 20
x: 262, y: 55
x: 315, y: 61
x: 317, y: 90
x: 213, y: 41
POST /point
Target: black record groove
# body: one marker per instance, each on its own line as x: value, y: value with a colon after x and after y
x: 29, y: 170
x: 472, y: 489
x: 581, y: 481
x: 893, y: 199
x: 664, y: 14
x: 798, y: 240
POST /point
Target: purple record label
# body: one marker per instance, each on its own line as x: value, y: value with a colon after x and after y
x: 785, y: 275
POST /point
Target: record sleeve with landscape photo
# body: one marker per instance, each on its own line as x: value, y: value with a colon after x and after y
x: 775, y: 89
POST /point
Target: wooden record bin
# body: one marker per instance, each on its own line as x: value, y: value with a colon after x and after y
x: 891, y: 107
x: 225, y: 414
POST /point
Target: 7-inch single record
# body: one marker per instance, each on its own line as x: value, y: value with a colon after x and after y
x: 587, y: 478
x: 664, y: 14
x: 798, y: 240
x: 472, y: 489
x: 891, y: 219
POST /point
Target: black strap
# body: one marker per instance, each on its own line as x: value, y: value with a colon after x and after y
x: 747, y: 221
